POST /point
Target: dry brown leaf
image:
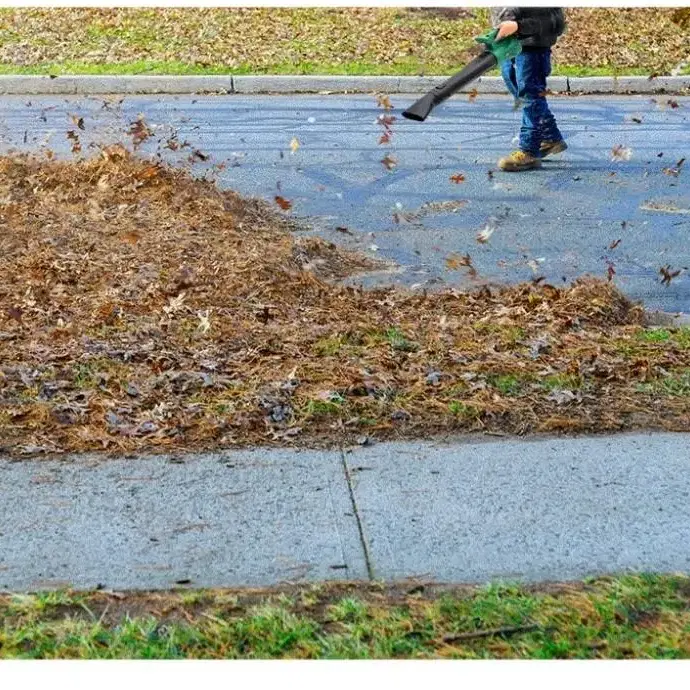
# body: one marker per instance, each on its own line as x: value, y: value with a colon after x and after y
x: 284, y: 203
x: 621, y: 153
x: 76, y: 145
x: 456, y: 261
x: 139, y: 131
x: 386, y: 120
x: 384, y: 102
x: 458, y: 178
x: 131, y: 237
x: 483, y: 236
x: 668, y: 275
x: 389, y: 162
x: 610, y: 270
x: 148, y: 172
x: 199, y: 155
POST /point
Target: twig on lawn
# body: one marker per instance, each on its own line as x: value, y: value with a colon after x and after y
x: 491, y: 632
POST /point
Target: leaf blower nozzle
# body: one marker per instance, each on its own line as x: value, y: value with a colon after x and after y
x: 495, y: 53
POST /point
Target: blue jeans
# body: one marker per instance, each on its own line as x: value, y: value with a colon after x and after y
x: 525, y: 77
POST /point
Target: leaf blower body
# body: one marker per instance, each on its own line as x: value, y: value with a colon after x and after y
x: 495, y: 52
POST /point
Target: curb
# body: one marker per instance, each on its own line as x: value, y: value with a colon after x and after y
x: 21, y: 85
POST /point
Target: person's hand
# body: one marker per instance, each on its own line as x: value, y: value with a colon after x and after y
x: 506, y: 29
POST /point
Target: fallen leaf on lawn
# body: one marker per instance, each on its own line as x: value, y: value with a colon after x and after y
x: 174, y: 304
x: 561, y: 397
x: 286, y: 433
x: 284, y: 203
x: 668, y: 275
x: 294, y: 144
x: 389, y: 162
x: 621, y: 153
x: 131, y: 237
x: 384, y: 102
x: 204, y: 321
x: 15, y: 313
x: 148, y: 172
x: 457, y: 178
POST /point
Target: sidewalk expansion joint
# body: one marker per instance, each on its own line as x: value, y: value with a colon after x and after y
x: 358, y: 519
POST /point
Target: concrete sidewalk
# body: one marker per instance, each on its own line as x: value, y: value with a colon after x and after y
x: 468, y: 511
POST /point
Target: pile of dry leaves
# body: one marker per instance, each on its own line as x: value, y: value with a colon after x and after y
x: 141, y: 309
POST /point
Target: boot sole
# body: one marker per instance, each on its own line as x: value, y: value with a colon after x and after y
x: 555, y: 150
x: 521, y: 168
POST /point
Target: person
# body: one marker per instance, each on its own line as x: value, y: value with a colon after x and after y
x: 538, y: 28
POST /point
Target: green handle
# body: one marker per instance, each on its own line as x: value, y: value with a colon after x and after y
x: 505, y: 49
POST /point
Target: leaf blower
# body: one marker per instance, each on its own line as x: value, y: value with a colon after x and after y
x: 495, y: 52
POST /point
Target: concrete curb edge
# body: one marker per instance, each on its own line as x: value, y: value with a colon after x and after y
x: 25, y: 85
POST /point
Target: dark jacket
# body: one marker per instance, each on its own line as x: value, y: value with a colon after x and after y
x: 538, y: 27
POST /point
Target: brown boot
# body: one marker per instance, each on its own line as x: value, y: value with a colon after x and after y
x: 518, y: 161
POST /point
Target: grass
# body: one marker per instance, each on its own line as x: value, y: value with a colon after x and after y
x: 680, y: 337
x: 399, y: 341
x: 676, y: 384
x: 632, y: 616
x: 356, y: 41
x: 561, y: 382
x: 506, y: 384
x: 351, y: 68
x: 460, y: 409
